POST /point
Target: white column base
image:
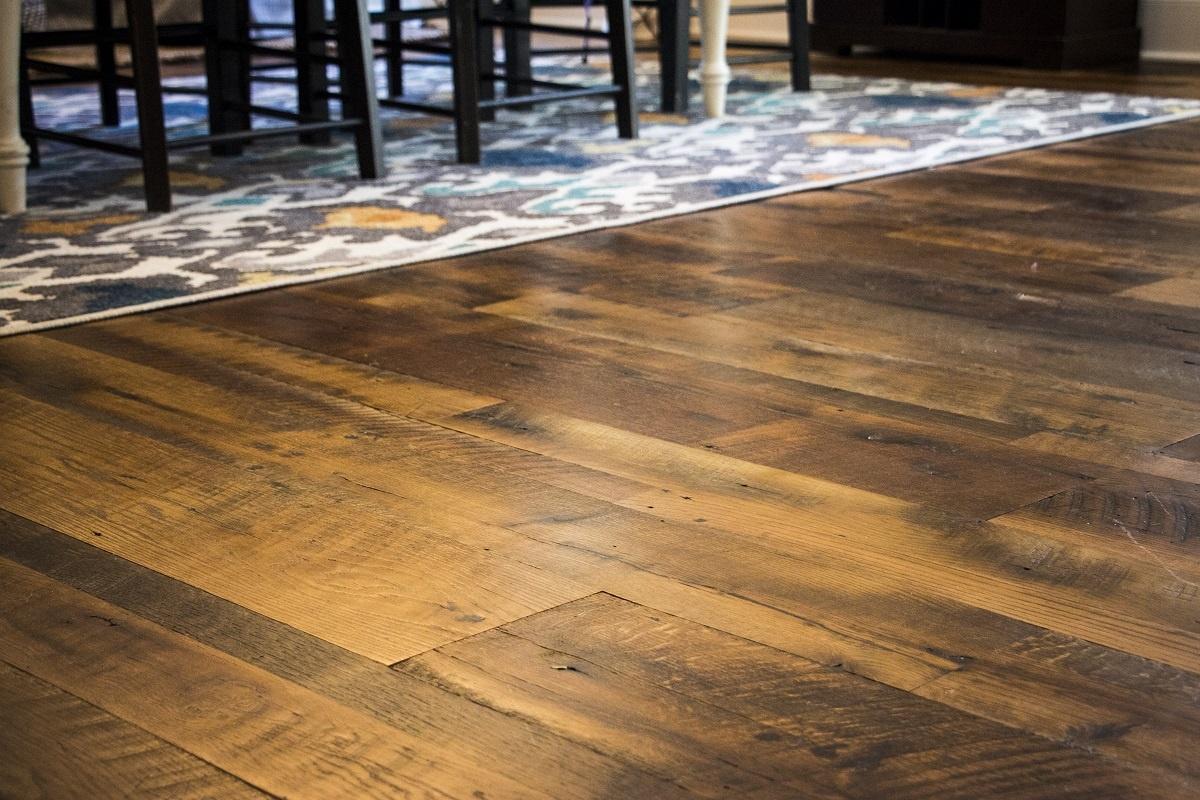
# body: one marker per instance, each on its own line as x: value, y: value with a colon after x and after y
x: 714, y: 69
x: 14, y: 154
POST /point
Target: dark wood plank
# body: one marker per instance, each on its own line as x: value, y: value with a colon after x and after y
x: 1188, y: 449
x: 1030, y: 194
x: 518, y: 749
x: 1142, y: 516
x: 1131, y: 168
x: 781, y: 344
x: 610, y: 670
x: 939, y: 467
x: 514, y: 360
x: 261, y: 536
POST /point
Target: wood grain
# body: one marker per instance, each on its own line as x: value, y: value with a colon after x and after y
x: 891, y: 490
x: 610, y: 669
x: 282, y: 738
x: 95, y: 754
x: 518, y: 749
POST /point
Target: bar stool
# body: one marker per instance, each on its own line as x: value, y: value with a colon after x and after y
x: 228, y: 55
x: 674, y: 42
x: 471, y: 58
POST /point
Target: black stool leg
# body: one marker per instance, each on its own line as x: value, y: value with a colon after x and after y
x: 227, y: 70
x: 393, y: 33
x: 620, y: 52
x: 518, y: 58
x: 143, y: 44
x: 106, y: 62
x: 485, y: 60
x: 674, y: 21
x: 464, y: 23
x: 312, y: 83
x: 356, y: 74
x: 799, y: 44
x: 243, y: 61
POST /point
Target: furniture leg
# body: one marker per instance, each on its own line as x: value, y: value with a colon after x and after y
x: 714, y: 69
x: 485, y: 59
x: 357, y: 77
x: 393, y: 33
x: 518, y: 58
x: 28, y: 120
x: 143, y: 44
x: 464, y: 23
x: 227, y: 72
x: 621, y: 54
x: 798, y: 42
x: 674, y: 21
x: 13, y: 150
x: 106, y: 62
x: 312, y: 82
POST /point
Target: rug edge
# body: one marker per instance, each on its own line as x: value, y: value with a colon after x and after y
x: 708, y: 205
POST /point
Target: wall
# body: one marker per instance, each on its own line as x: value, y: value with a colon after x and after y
x: 758, y: 27
x: 1171, y: 29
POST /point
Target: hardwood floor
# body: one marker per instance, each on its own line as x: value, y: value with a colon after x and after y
x: 887, y: 491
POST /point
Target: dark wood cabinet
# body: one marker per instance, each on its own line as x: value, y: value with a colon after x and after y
x: 1037, y: 33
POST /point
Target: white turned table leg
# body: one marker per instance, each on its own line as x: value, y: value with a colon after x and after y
x: 14, y: 154
x: 714, y: 69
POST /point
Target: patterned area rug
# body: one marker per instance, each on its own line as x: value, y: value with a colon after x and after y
x: 285, y: 213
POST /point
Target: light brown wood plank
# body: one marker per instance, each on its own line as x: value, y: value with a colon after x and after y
x: 1097, y: 448
x: 1178, y: 291
x: 997, y: 569
x: 519, y: 750
x: 389, y: 587
x: 773, y: 429
x: 95, y: 754
x: 283, y: 739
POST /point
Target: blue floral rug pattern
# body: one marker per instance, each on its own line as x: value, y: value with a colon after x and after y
x: 285, y: 213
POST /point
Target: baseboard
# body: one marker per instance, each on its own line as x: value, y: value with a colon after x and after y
x: 1181, y: 56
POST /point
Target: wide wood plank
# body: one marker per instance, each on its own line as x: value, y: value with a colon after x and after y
x: 996, y: 568
x: 517, y: 749
x: 263, y: 538
x: 273, y: 734
x: 95, y: 753
x: 889, y: 490
x: 939, y: 467
x: 982, y: 391
x: 1182, y: 290
x: 639, y: 682
x: 389, y: 485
